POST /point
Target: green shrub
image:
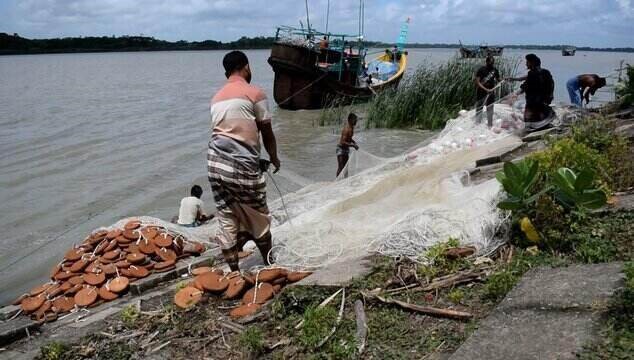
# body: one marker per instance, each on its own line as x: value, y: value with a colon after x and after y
x: 499, y: 284
x: 129, y: 315
x: 53, y: 351
x: 432, y: 94
x: 590, y: 249
x: 573, y: 155
x: 456, y: 296
x: 625, y: 89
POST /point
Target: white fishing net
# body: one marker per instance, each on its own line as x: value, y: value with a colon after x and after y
x: 399, y: 206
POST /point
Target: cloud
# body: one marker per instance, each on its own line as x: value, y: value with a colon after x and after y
x: 596, y: 23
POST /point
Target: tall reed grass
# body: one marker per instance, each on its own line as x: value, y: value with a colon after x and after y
x: 433, y: 94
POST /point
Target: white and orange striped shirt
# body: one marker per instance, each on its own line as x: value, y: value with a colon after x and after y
x: 237, y: 109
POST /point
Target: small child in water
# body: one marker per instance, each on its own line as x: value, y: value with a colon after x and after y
x: 191, y: 212
x: 345, y: 142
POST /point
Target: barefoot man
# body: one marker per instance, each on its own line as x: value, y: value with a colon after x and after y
x: 345, y: 142
x: 239, y: 114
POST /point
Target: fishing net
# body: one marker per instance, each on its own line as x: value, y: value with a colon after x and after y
x: 403, y: 205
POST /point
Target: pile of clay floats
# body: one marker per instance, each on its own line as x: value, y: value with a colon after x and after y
x: 253, y: 289
x: 102, y: 267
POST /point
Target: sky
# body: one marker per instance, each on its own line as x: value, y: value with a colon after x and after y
x: 597, y: 23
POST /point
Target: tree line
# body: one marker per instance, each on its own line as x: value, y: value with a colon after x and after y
x: 15, y: 44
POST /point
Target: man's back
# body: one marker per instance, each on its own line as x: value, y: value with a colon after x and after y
x: 189, y: 209
x: 236, y: 110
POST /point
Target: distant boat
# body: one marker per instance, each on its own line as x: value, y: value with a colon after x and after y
x: 568, y: 51
x: 480, y: 52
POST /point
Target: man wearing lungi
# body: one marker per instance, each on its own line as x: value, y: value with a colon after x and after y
x: 239, y: 114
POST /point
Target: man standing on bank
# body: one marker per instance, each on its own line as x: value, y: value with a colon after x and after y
x: 486, y: 78
x: 239, y: 114
x: 582, y: 86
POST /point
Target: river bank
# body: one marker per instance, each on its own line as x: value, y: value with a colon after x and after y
x: 477, y: 285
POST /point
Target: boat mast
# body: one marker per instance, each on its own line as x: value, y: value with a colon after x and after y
x: 327, y: 15
x: 307, y: 17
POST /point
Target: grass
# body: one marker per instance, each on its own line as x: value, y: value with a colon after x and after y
x: 129, y: 315
x: 53, y: 351
x: 432, y: 95
x: 252, y: 340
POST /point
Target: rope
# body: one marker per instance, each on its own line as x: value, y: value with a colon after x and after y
x: 302, y: 89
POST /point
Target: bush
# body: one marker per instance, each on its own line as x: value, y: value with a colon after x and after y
x: 576, y: 156
x: 432, y: 95
x: 625, y: 90
x: 53, y: 350
x: 498, y: 284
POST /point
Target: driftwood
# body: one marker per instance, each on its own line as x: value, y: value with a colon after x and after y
x: 230, y: 325
x: 339, y: 317
x: 442, y: 282
x: 447, y: 313
x: 362, y: 326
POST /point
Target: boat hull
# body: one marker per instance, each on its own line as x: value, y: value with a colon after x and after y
x: 301, y: 84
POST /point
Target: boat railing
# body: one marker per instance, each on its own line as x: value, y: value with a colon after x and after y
x: 343, y: 44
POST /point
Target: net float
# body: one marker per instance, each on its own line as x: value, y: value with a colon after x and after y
x: 213, y: 282
x: 106, y: 294
x: 111, y: 255
x: 119, y: 284
x: 132, y: 225
x: 131, y: 234
x: 135, y: 258
x: 237, y: 285
x: 79, y: 265
x: 166, y: 254
x: 41, y: 288
x: 244, y: 310
x: 113, y: 234
x: 73, y: 254
x: 187, y: 297
x: 259, y: 295
x: 94, y: 279
x: 163, y: 240
x: 86, y: 296
x: 63, y: 304
x: 295, y: 276
x: 32, y: 303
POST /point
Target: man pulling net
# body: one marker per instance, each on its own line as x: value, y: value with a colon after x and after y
x: 239, y: 113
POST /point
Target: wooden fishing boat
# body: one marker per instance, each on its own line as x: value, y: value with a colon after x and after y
x: 480, y: 52
x: 310, y: 76
x: 568, y: 51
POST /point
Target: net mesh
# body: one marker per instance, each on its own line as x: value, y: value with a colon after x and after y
x: 403, y: 205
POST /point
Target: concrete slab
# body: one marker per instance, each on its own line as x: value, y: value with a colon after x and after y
x: 16, y: 328
x: 537, y: 135
x: 529, y: 334
x: 550, y: 314
x: 500, y: 155
x: 577, y: 286
x: 7, y: 312
x: 95, y: 317
x: 340, y: 274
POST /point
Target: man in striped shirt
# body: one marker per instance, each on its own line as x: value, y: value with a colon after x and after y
x: 239, y: 114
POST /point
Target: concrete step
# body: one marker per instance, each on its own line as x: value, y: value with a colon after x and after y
x: 550, y: 314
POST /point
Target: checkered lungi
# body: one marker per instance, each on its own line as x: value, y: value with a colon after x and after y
x: 240, y: 195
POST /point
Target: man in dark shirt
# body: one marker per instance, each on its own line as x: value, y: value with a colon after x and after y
x: 485, y: 80
x: 539, y: 88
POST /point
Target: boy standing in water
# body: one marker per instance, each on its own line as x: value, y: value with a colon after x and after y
x: 345, y: 142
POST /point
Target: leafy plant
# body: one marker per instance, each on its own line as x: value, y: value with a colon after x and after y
x: 517, y: 180
x: 576, y: 156
x: 456, y: 296
x: 129, y: 315
x: 577, y: 191
x: 499, y: 283
x: 317, y: 323
x: 54, y: 350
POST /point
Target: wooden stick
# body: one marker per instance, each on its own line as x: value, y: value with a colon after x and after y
x: 323, y: 303
x: 452, y: 314
x: 339, y: 317
x: 443, y: 282
x: 362, y: 326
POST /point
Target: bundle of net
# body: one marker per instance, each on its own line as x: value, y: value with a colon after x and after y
x: 402, y: 205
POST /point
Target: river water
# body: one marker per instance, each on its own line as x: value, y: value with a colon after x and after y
x: 86, y: 139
